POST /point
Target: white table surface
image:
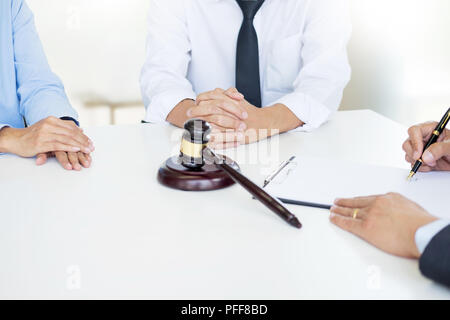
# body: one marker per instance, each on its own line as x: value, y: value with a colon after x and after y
x: 113, y: 232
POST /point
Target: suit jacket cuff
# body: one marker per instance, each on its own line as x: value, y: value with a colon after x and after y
x: 435, y: 261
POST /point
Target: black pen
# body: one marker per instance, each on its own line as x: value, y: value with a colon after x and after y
x: 306, y: 204
x: 434, y: 138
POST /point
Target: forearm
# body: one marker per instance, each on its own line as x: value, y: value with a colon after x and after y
x: 281, y: 118
x: 179, y: 115
x: 265, y: 122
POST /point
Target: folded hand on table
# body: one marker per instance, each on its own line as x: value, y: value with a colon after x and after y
x: 49, y: 137
x: 235, y: 121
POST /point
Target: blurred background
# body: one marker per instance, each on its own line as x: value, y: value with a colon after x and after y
x: 400, y: 55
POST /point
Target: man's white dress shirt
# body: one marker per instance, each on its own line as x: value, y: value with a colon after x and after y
x: 191, y: 49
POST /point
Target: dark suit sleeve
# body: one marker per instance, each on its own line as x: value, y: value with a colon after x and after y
x: 435, y: 261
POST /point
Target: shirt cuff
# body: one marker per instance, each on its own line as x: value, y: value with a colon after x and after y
x: 161, y: 105
x: 306, y: 109
x: 426, y: 233
x: 70, y: 119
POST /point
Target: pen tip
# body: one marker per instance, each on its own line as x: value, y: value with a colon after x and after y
x: 410, y: 176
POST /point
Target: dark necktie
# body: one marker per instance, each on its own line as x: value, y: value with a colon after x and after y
x: 247, y: 57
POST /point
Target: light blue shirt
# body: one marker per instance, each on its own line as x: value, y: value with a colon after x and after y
x: 425, y: 234
x: 28, y: 88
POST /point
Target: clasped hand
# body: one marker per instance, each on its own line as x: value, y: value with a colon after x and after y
x: 230, y: 116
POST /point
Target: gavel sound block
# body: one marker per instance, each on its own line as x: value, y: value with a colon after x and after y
x: 189, y: 171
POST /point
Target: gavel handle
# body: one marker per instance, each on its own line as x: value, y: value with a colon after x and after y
x: 258, y: 193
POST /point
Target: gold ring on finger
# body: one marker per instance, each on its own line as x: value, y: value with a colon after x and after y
x: 355, y: 213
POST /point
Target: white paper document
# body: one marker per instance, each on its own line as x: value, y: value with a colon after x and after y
x: 320, y: 180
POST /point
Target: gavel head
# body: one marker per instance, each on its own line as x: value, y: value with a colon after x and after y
x: 195, y: 139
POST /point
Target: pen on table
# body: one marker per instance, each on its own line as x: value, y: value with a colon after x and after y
x: 276, y: 172
x: 270, y: 202
x: 434, y: 138
x: 270, y: 178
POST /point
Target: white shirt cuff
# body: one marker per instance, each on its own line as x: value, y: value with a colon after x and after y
x: 162, y: 104
x: 426, y: 233
x: 306, y: 109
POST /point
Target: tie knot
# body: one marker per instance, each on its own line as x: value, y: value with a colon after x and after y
x: 250, y: 7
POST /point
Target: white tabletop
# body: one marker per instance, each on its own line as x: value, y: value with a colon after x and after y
x: 113, y: 232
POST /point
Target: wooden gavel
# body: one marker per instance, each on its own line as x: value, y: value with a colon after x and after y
x: 198, y: 168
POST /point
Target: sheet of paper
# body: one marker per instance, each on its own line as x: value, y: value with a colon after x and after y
x: 322, y: 180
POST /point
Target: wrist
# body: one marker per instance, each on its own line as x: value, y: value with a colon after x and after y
x: 280, y: 118
x: 267, y: 118
x: 178, y: 116
x: 6, y: 139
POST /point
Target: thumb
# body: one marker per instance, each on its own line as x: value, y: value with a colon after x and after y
x: 41, y: 159
x: 436, y: 152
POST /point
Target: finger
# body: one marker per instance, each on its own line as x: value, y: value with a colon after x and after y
x: 68, y: 127
x: 417, y: 135
x: 207, y: 109
x: 222, y: 101
x: 210, y: 95
x: 73, y: 159
x: 228, y: 106
x: 88, y: 158
x: 41, y: 159
x: 84, y: 159
x: 354, y: 203
x: 76, y: 134
x: 233, y: 93
x: 416, y: 141
x: 409, y: 159
x: 66, y: 140
x: 348, y: 212
x: 408, y: 148
x: 225, y: 122
x: 63, y: 160
x: 348, y: 224
x: 425, y: 168
x: 53, y: 146
x: 436, y: 152
x: 218, y: 129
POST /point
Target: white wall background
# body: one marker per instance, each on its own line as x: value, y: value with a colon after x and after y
x: 400, y: 53
x: 97, y: 47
